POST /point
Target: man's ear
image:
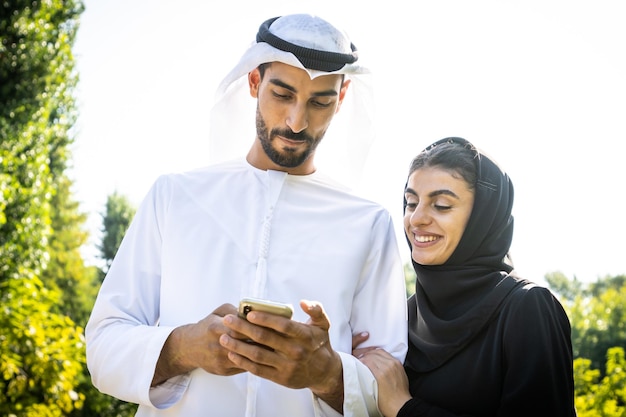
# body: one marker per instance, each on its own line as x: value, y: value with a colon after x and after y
x: 254, y: 80
x: 342, y: 93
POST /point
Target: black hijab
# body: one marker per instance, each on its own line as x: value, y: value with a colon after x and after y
x: 457, y: 299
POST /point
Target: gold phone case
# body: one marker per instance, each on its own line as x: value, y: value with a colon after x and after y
x: 247, y: 305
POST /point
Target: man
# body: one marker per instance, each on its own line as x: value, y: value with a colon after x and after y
x: 164, y: 331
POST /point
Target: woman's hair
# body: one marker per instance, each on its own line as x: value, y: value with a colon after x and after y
x: 454, y: 155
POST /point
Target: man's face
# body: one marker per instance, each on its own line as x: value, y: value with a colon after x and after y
x: 293, y: 113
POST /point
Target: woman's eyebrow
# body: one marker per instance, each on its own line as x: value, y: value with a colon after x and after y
x: 443, y: 192
x: 433, y: 193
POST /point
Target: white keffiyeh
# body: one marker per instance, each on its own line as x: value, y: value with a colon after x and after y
x: 347, y: 142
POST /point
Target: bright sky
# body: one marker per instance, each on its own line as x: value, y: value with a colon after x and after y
x: 538, y: 85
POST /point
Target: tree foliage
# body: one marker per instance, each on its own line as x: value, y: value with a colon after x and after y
x: 41, y: 353
x: 598, y: 396
x: 45, y: 288
x: 40, y: 348
x: 77, y: 285
x: 597, y: 314
x: 66, y: 270
x: 118, y: 214
x: 115, y: 219
x: 36, y: 81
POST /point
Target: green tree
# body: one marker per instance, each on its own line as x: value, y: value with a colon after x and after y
x: 41, y: 352
x: 597, y: 313
x: 603, y: 285
x: 598, y: 396
x: 566, y: 289
x: 119, y: 212
x: 66, y: 270
x: 40, y: 349
x: 78, y: 286
x: 115, y: 219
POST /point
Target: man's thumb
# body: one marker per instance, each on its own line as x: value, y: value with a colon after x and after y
x: 316, y: 312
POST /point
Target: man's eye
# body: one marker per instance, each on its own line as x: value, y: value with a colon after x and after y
x: 281, y: 96
x: 320, y: 104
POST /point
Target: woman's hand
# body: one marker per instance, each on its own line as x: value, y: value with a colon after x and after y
x: 393, y: 384
x: 357, y: 339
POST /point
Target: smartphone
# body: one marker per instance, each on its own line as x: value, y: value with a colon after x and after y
x: 247, y: 305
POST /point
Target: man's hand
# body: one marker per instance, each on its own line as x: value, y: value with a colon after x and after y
x: 197, y: 346
x: 293, y: 354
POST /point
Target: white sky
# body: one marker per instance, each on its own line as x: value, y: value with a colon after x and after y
x: 540, y: 85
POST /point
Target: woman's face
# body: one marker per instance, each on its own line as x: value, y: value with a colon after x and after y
x: 438, y: 207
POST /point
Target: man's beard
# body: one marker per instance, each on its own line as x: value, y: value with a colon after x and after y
x: 286, y: 157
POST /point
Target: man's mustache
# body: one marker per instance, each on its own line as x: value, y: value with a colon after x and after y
x: 289, y: 134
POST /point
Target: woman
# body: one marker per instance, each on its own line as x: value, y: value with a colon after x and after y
x: 483, y: 342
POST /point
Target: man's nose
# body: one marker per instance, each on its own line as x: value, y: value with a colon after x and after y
x: 298, y: 120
